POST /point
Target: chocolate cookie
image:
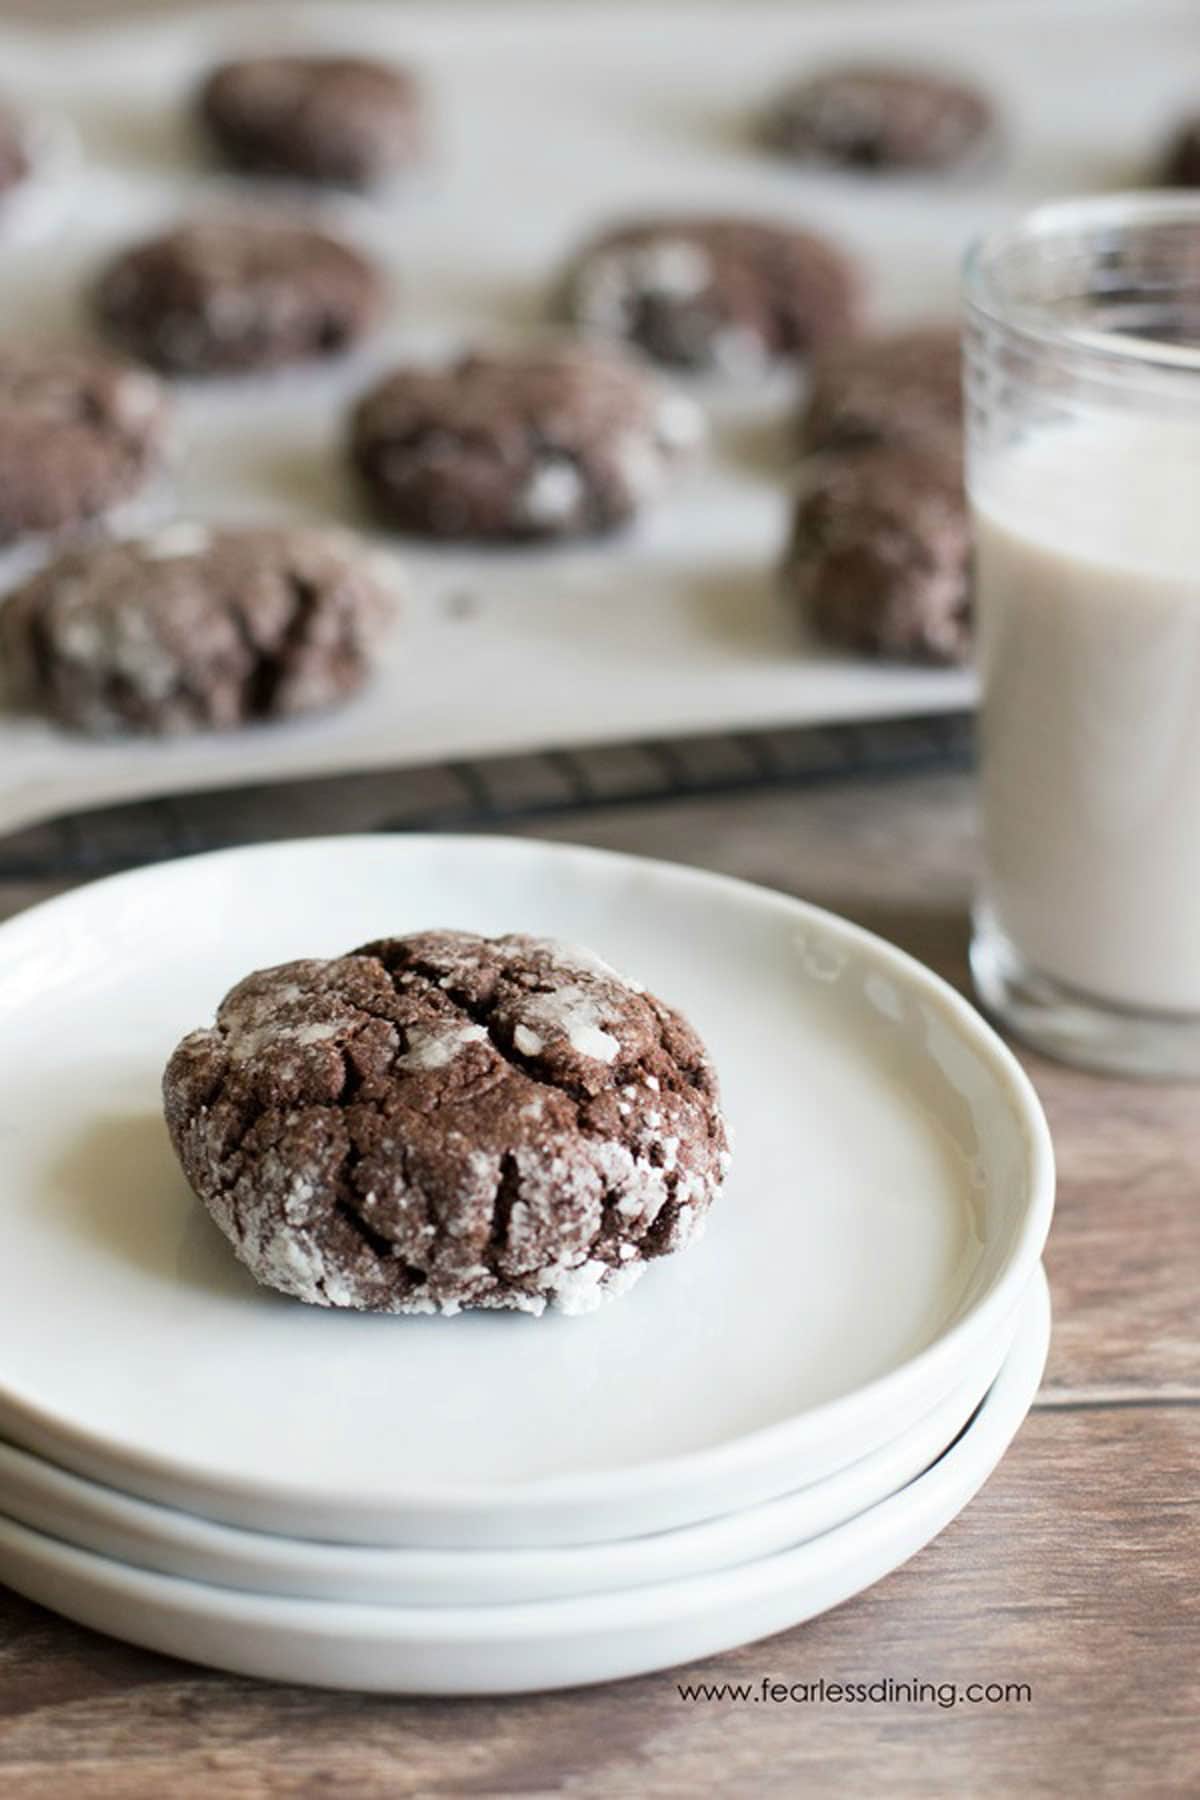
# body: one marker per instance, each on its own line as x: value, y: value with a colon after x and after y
x: 714, y: 293
x: 1181, y: 164
x: 15, y: 159
x: 339, y: 119
x: 445, y: 1121
x: 223, y: 296
x: 880, y: 554
x: 885, y: 390
x: 550, y: 442
x: 867, y: 116
x: 192, y: 628
x: 79, y: 432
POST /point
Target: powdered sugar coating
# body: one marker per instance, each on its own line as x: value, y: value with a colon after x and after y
x: 446, y: 1121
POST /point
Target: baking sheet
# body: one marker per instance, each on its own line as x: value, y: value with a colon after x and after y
x: 548, y: 121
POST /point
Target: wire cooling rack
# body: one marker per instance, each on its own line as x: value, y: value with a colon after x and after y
x: 484, y: 794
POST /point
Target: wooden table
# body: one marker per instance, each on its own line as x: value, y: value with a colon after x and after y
x: 1076, y: 1571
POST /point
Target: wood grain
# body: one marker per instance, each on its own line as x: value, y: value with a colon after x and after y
x: 1077, y: 1570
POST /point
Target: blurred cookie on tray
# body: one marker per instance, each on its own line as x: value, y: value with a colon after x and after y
x: 724, y: 293
x: 881, y: 118
x: 235, y: 293
x: 886, y: 388
x: 346, y: 121
x: 556, y: 440
x: 80, y: 433
x: 194, y: 627
x: 879, y: 556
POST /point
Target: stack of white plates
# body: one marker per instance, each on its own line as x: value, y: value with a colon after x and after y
x: 766, y: 1425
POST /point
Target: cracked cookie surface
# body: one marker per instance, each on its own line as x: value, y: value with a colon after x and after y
x: 445, y: 1121
x: 192, y: 628
x: 79, y: 432
x: 730, y: 294
x: 560, y: 440
x: 226, y: 295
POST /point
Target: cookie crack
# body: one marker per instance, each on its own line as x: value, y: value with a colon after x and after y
x: 482, y: 1013
x: 694, y: 1072
x: 360, y: 1017
x: 251, y: 1111
x: 270, y: 666
x: 508, y: 1192
x: 350, y: 1199
x: 383, y: 1247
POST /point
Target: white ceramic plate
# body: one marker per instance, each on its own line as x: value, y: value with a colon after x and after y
x: 557, y: 1643
x: 891, y: 1191
x: 52, y: 1500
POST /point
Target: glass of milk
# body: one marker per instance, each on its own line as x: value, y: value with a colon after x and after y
x: 1083, y: 417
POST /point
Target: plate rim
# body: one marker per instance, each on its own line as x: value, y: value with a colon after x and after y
x: 689, y: 1467
x: 171, y: 1530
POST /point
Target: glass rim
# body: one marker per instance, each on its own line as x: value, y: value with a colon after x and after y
x: 1055, y: 218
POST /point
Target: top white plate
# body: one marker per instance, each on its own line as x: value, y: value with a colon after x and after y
x: 891, y: 1191
x: 550, y: 120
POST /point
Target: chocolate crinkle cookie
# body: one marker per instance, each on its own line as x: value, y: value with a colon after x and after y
x: 729, y: 294
x: 345, y: 120
x: 192, y: 628
x: 556, y: 441
x: 885, y: 390
x: 446, y: 1121
x: 79, y: 433
x: 874, y: 117
x: 879, y: 560
x: 227, y: 295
